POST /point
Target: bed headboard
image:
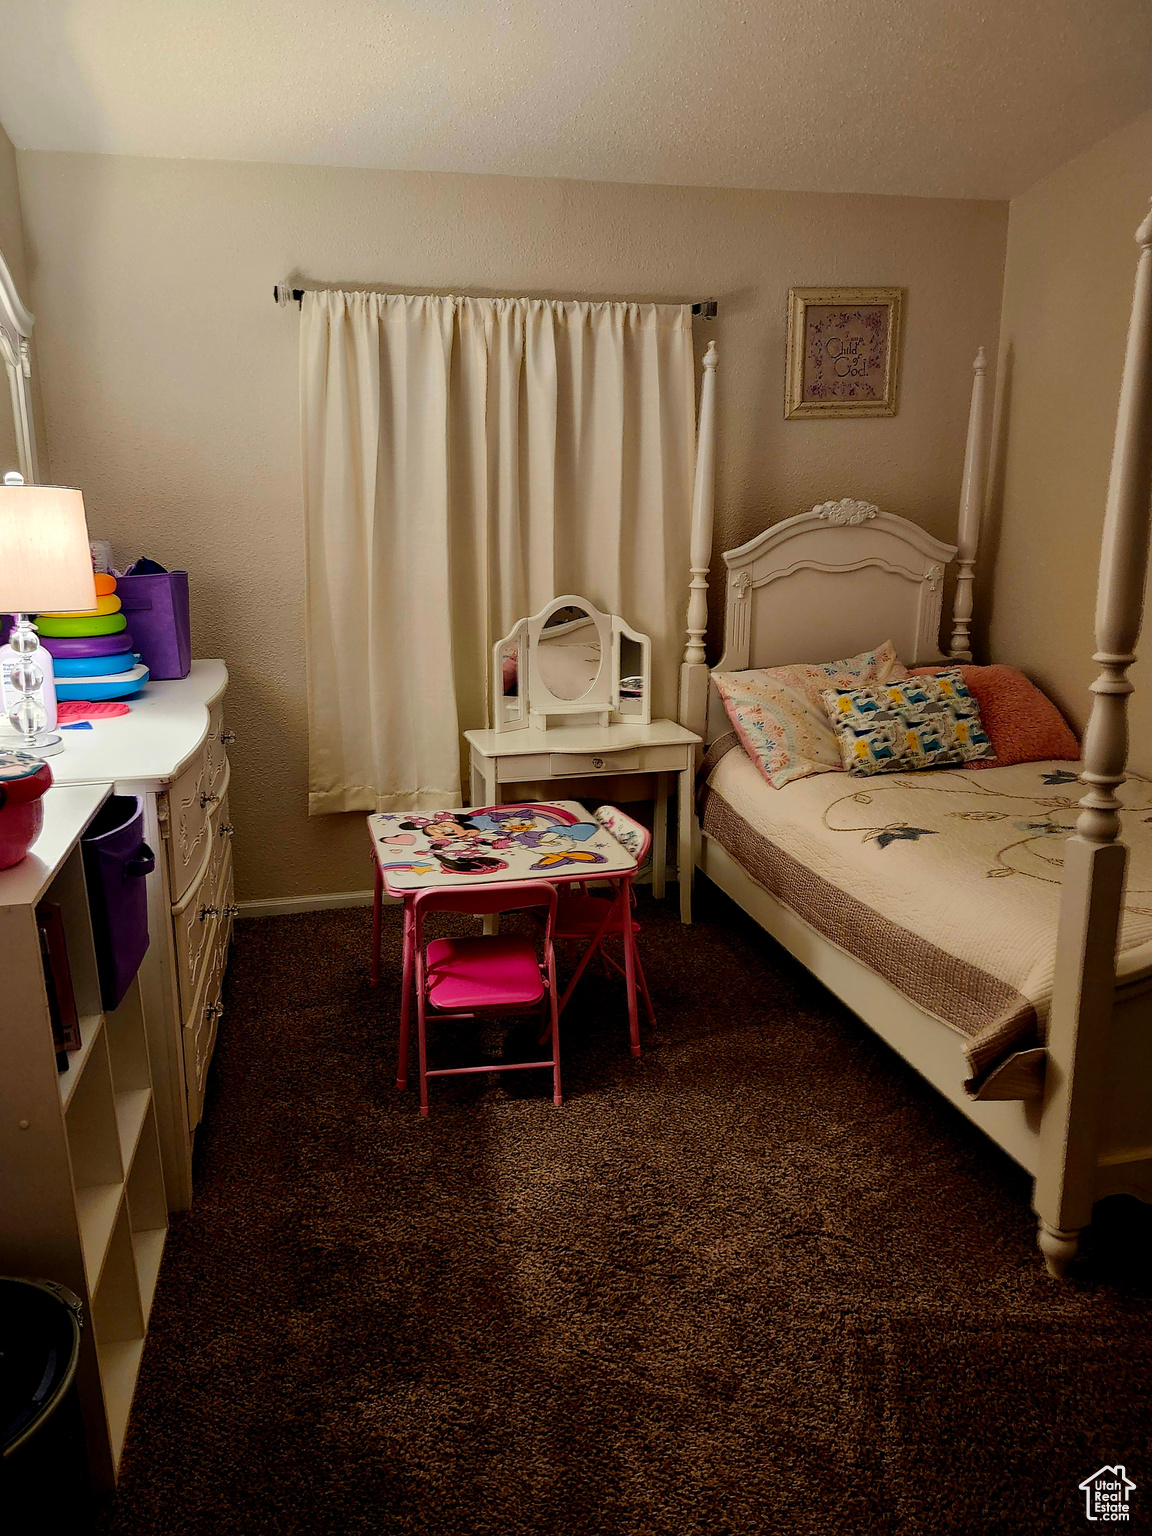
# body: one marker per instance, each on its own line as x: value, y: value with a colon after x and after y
x: 837, y: 580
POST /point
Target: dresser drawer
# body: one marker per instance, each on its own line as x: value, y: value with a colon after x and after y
x: 216, y: 746
x: 194, y: 917
x: 203, y: 1020
x: 189, y: 801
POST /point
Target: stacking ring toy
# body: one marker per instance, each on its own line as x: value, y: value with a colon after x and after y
x: 104, y: 606
x: 105, y: 584
x: 93, y: 666
x: 103, y: 687
x: 87, y: 645
x: 81, y: 624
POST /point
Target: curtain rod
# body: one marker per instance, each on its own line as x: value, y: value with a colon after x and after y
x: 285, y: 295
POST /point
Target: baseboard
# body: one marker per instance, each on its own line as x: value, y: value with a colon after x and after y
x: 281, y: 906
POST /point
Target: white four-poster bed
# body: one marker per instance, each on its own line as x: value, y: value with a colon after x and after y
x: 1075, y: 1107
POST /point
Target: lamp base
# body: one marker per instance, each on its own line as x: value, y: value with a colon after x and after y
x: 45, y: 745
x: 42, y: 744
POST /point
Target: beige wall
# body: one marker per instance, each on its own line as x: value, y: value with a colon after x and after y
x: 1067, y: 295
x: 170, y: 385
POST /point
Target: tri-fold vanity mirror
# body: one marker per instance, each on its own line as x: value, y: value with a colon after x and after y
x: 571, y: 664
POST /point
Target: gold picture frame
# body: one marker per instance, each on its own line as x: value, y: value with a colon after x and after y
x: 843, y: 352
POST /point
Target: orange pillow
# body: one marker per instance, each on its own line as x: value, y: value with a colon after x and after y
x: 1023, y: 725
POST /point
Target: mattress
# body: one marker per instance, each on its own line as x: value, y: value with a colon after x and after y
x: 946, y: 883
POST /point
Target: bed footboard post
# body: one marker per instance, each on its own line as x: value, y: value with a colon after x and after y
x: 694, y: 671
x: 971, y: 508
x: 1094, y: 858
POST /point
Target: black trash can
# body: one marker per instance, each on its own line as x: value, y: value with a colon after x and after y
x: 44, y: 1487
x: 116, y: 862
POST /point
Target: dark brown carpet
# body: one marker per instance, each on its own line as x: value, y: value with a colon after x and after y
x: 761, y: 1280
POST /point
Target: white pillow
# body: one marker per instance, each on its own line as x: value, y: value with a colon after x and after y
x: 779, y: 715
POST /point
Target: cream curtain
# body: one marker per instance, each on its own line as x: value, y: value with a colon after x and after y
x: 466, y: 460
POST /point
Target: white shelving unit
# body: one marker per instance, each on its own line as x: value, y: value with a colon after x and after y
x: 82, y: 1197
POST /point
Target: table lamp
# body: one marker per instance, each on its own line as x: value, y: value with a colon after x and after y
x: 46, y: 565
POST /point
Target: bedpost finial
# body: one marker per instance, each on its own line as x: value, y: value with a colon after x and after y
x: 981, y: 363
x: 711, y: 356
x: 1144, y: 233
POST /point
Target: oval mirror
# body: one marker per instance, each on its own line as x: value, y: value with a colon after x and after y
x: 568, y: 653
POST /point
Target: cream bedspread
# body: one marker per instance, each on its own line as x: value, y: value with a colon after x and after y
x: 947, y: 883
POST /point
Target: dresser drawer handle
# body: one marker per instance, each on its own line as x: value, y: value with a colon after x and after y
x: 597, y: 762
x: 231, y: 910
x: 226, y: 829
x: 208, y: 799
x: 227, y: 736
x: 213, y: 1010
x: 208, y: 911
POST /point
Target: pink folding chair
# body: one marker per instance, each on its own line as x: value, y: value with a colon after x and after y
x: 591, y: 920
x: 497, y: 974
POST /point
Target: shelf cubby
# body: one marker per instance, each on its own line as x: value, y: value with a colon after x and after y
x: 80, y: 1163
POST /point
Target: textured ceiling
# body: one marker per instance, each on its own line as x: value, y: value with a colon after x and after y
x: 946, y: 98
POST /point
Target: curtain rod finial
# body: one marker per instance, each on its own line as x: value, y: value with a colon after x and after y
x: 711, y: 356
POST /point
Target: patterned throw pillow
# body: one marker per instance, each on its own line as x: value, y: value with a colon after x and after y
x: 779, y: 715
x: 922, y: 722
x: 1022, y: 724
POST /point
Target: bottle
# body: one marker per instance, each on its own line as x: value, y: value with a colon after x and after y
x: 44, y: 691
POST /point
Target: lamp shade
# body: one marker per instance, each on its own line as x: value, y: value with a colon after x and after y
x: 45, y: 561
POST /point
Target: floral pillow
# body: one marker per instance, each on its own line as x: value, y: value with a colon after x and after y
x: 921, y: 722
x: 779, y: 715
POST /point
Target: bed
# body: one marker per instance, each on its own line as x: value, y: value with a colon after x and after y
x: 993, y: 926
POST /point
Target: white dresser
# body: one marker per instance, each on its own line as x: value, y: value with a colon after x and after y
x: 171, y: 749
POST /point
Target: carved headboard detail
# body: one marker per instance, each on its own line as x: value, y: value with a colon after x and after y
x: 835, y: 581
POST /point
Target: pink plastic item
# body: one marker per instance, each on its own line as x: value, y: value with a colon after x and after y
x: 591, y: 920
x: 70, y: 710
x: 459, y: 978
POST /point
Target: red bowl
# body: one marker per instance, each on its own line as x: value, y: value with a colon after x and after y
x: 23, y: 780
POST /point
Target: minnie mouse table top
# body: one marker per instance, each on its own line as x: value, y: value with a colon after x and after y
x: 552, y: 840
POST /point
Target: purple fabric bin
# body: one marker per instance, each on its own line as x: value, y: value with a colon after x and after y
x: 156, y: 607
x: 116, y: 861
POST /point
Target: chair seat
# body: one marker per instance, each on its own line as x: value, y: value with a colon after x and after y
x: 579, y: 917
x: 497, y: 972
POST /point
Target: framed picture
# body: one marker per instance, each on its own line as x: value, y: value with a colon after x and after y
x: 843, y: 351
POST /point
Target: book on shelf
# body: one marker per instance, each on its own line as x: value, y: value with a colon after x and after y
x: 58, y: 981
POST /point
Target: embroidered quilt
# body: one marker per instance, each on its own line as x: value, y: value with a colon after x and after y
x: 946, y: 883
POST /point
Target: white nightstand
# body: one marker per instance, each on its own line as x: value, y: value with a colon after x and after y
x: 500, y: 758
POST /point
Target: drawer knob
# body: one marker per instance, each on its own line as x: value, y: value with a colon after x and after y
x: 227, y: 736
x: 213, y: 1010
x: 226, y: 829
x: 206, y: 912
x: 231, y: 910
x: 208, y: 799
x: 597, y: 762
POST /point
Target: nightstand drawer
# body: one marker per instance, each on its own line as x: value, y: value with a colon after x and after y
x: 595, y: 762
x: 521, y: 770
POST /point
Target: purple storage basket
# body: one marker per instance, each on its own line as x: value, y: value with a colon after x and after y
x: 156, y: 607
x: 116, y: 861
